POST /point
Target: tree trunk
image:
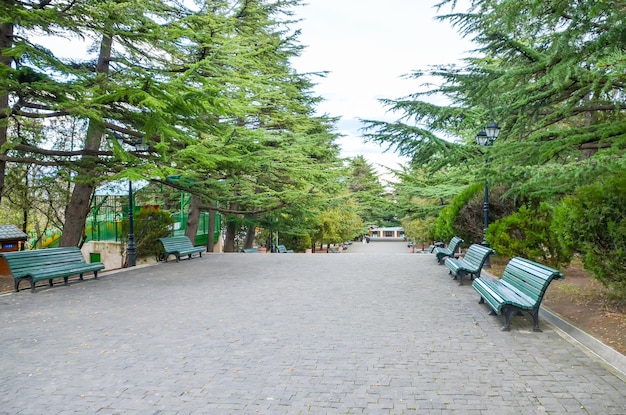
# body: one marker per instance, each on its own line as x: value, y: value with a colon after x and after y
x: 80, y: 202
x: 231, y: 231
x: 193, y: 219
x: 6, y: 41
x: 250, y: 233
x: 210, y: 244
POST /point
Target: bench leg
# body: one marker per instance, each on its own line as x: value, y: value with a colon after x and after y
x: 95, y: 275
x: 508, y: 313
x: 80, y: 276
x: 535, y: 314
x: 491, y: 312
x: 65, y: 280
x: 461, y: 276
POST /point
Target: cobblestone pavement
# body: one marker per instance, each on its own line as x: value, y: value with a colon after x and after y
x: 374, y: 330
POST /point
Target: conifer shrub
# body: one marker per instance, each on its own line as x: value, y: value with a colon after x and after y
x: 527, y: 233
x: 464, y: 216
x: 150, y: 224
x: 446, y: 224
x: 592, y: 223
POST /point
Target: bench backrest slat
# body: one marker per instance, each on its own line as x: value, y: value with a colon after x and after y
x: 24, y: 262
x: 174, y: 242
x: 477, y: 255
x: 454, y: 244
x: 529, y: 277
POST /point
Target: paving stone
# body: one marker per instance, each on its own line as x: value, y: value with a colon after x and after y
x: 373, y: 330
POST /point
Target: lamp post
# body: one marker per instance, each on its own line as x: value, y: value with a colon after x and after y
x: 486, y: 138
x: 131, y: 250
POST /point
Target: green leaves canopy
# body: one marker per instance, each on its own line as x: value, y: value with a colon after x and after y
x: 207, y: 86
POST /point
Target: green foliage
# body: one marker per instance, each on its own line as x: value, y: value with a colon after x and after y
x: 150, y: 224
x: 214, y: 96
x: 422, y: 194
x: 373, y: 203
x: 420, y: 230
x: 552, y: 75
x: 592, y: 223
x: 339, y: 224
x: 299, y: 243
x: 527, y: 233
x: 445, y: 225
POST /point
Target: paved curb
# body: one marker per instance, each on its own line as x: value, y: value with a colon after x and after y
x: 610, y: 356
x: 570, y: 332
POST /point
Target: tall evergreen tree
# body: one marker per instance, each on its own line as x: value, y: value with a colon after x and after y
x: 208, y: 88
x: 374, y: 203
x: 550, y: 73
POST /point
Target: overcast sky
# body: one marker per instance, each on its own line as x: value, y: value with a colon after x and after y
x: 367, y: 45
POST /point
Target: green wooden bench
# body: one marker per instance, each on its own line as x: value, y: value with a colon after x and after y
x: 283, y: 249
x: 180, y: 246
x: 48, y: 264
x: 250, y: 250
x: 442, y: 252
x: 432, y: 247
x: 521, y: 288
x: 470, y: 264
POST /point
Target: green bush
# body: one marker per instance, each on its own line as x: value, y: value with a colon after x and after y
x: 419, y: 230
x: 592, y: 223
x: 299, y: 243
x: 150, y: 224
x: 527, y: 233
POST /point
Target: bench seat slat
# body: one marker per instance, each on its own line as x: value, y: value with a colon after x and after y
x: 471, y: 264
x: 505, y: 294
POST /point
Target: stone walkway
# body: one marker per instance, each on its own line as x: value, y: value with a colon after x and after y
x: 373, y: 330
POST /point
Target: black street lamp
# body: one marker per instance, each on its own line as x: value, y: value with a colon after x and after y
x: 486, y: 138
x: 131, y: 249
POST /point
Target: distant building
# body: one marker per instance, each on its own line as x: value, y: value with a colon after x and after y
x: 396, y: 232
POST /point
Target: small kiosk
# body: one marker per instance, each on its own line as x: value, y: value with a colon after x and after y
x: 11, y: 239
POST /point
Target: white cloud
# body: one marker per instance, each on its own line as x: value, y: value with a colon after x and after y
x: 367, y: 46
